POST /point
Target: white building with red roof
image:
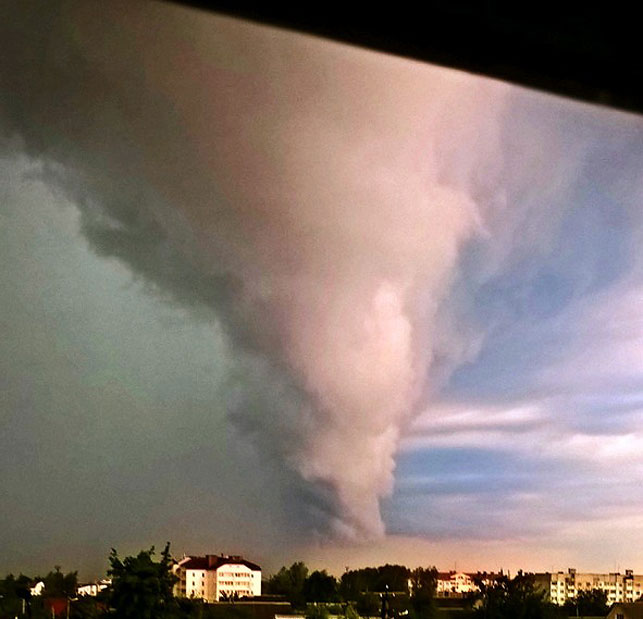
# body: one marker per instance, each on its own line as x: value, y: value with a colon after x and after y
x: 217, y: 577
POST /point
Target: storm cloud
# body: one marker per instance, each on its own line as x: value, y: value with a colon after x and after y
x: 363, y: 229
x: 289, y: 187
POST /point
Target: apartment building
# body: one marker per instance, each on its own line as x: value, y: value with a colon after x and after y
x: 460, y: 584
x: 563, y: 586
x: 217, y: 577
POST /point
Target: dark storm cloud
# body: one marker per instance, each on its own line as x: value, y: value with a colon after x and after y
x: 259, y: 178
x: 373, y: 237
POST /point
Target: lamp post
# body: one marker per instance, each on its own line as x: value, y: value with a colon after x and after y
x: 384, y: 596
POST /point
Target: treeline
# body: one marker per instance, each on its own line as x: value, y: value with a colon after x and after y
x: 142, y: 588
x: 412, y: 593
x: 361, y: 589
x: 519, y: 598
x: 16, y: 599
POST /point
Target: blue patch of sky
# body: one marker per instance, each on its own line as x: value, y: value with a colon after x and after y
x: 600, y: 414
x: 465, y: 470
x: 458, y: 460
x: 419, y: 516
x: 519, y: 307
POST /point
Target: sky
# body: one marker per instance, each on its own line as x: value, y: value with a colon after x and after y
x: 272, y: 295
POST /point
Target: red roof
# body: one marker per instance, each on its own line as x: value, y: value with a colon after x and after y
x: 483, y: 575
x: 196, y: 563
x: 213, y: 562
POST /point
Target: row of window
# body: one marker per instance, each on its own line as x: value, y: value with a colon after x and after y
x: 232, y: 583
x: 235, y: 575
x: 599, y: 585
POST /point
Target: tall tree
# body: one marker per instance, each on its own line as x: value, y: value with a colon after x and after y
x: 59, y: 585
x: 423, y: 585
x: 290, y: 581
x: 588, y: 603
x: 23, y: 591
x: 352, y: 584
x: 10, y: 600
x: 355, y: 582
x: 513, y: 598
x: 395, y: 577
x: 320, y: 587
x: 141, y: 587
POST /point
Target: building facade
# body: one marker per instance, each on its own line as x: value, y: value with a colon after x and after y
x: 217, y: 577
x: 460, y: 584
x: 94, y: 588
x: 564, y: 586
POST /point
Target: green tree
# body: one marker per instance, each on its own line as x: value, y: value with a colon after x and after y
x: 355, y: 582
x: 395, y: 577
x: 23, y: 591
x: 513, y: 598
x: 290, y: 581
x: 352, y: 584
x: 588, y: 603
x: 141, y: 587
x: 423, y: 586
x: 320, y: 587
x: 368, y: 604
x: 86, y: 607
x: 10, y: 600
x: 350, y: 612
x: 316, y: 612
x: 59, y: 585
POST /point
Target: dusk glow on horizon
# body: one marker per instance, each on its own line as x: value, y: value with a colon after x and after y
x: 273, y: 295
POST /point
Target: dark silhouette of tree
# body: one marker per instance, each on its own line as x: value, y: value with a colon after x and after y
x: 513, y: 598
x: 320, y: 587
x: 141, y: 587
x: 354, y: 582
x: 23, y: 591
x: 59, y: 585
x: 364, y: 586
x: 395, y: 577
x: 86, y: 607
x: 350, y: 612
x: 423, y: 586
x: 588, y: 603
x: 289, y: 581
x: 11, y: 596
x: 317, y: 612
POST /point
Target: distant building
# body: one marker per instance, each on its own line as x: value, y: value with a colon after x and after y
x: 564, y: 586
x: 460, y: 584
x: 94, y: 588
x: 38, y: 588
x: 217, y: 577
x: 628, y: 610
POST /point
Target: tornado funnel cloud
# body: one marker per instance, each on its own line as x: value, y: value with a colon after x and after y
x: 311, y: 198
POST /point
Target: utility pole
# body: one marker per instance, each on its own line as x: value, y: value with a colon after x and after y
x: 384, y: 596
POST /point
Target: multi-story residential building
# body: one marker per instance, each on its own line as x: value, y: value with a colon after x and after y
x: 459, y: 584
x: 216, y: 577
x: 94, y: 588
x: 563, y: 586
